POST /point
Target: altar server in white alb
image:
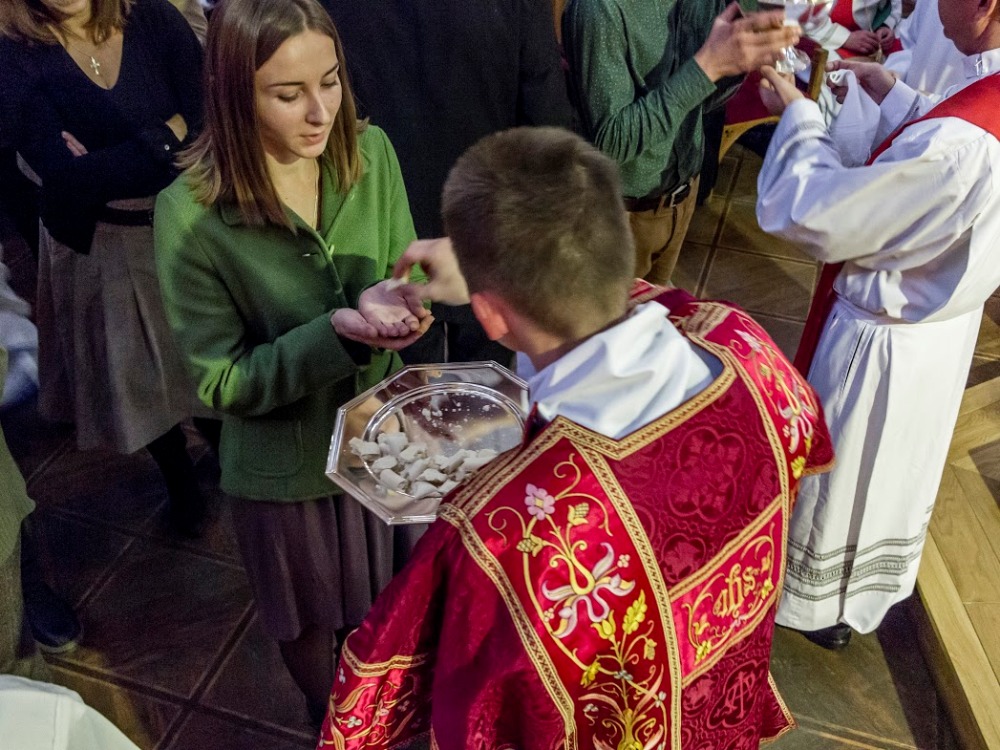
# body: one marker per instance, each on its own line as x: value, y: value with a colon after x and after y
x: 858, y: 27
x: 923, y: 57
x: 918, y: 233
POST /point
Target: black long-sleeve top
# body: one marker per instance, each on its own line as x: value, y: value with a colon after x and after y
x: 438, y: 75
x: 130, y: 148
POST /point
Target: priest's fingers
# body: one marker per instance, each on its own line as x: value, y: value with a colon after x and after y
x: 445, y: 281
x: 782, y: 85
x: 872, y: 77
x: 772, y: 102
x: 837, y: 88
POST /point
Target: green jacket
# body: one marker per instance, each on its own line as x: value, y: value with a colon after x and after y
x: 250, y: 307
x: 15, y: 504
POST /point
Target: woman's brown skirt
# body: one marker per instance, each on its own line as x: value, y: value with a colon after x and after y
x: 315, y: 562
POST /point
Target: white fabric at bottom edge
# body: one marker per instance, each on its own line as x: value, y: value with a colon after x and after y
x: 41, y: 716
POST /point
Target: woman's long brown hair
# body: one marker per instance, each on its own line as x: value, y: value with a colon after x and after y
x: 226, y: 162
x: 32, y: 21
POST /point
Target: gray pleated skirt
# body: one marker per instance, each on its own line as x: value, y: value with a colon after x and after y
x: 107, y: 359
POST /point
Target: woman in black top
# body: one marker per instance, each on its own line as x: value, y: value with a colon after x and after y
x: 104, y: 93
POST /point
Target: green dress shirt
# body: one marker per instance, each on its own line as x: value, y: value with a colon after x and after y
x: 250, y: 307
x: 640, y: 93
x: 15, y: 504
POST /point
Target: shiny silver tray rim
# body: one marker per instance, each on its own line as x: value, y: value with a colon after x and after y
x: 348, y: 485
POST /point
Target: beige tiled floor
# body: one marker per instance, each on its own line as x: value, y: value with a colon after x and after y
x: 173, y: 653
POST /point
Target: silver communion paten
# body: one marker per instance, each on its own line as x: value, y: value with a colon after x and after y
x: 447, y: 408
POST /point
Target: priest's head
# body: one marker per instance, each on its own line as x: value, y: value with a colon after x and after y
x: 973, y: 25
x: 541, y: 235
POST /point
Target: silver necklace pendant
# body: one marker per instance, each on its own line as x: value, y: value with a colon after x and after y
x: 95, y: 66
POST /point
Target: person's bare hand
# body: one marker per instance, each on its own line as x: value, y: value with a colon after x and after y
x: 873, y: 78
x: 886, y: 37
x: 445, y: 282
x: 738, y: 44
x: 391, y: 309
x: 777, y: 90
x: 351, y: 324
x: 75, y: 147
x: 178, y: 126
x: 862, y: 42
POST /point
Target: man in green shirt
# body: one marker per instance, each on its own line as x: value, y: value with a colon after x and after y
x: 642, y: 73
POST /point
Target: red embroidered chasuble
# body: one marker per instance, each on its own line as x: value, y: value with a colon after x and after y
x: 585, y: 592
x: 977, y: 104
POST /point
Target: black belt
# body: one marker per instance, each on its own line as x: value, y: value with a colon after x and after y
x: 122, y: 217
x: 666, y: 199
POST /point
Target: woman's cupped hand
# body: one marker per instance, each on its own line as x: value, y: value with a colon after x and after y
x: 390, y: 315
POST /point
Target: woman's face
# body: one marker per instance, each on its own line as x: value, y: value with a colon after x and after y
x: 298, y: 96
x: 69, y: 8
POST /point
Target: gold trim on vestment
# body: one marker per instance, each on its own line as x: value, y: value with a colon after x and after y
x: 530, y: 639
x: 792, y: 724
x: 654, y: 574
x: 711, y: 567
x: 368, y: 669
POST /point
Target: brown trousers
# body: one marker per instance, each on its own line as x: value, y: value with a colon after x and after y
x: 659, y: 234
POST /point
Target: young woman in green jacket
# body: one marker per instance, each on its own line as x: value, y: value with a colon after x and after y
x: 273, y: 249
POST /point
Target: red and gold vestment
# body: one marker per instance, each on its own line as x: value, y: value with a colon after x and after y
x: 585, y: 592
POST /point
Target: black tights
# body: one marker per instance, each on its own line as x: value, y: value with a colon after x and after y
x: 187, y: 505
x: 312, y: 661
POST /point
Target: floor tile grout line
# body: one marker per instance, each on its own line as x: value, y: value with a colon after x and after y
x: 225, y: 653
x: 193, y: 700
x: 848, y: 741
x: 810, y: 722
x: 186, y: 705
x: 119, y: 681
x: 775, y: 316
x: 720, y: 225
x: 101, y: 581
x: 272, y: 729
x: 173, y: 730
x: 805, y: 260
x: 58, y: 452
x: 78, y: 516
x: 706, y: 269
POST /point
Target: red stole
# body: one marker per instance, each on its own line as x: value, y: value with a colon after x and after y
x: 978, y: 104
x: 843, y: 13
x: 638, y: 577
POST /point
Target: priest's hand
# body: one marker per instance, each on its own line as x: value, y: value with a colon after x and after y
x: 862, y: 42
x: 777, y: 90
x: 351, y: 324
x: 886, y: 37
x: 436, y: 257
x: 873, y: 78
